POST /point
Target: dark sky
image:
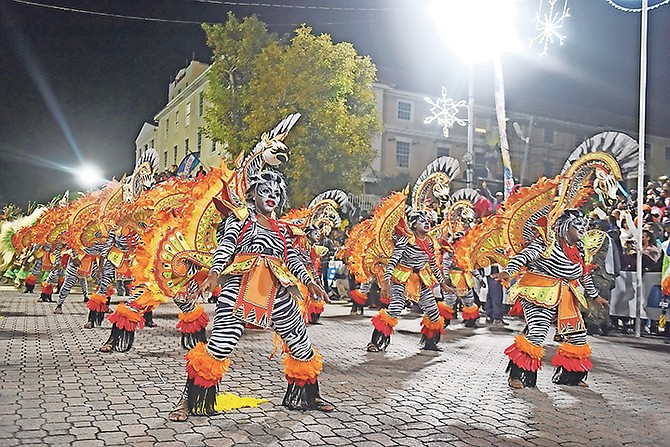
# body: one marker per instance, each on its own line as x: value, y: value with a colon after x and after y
x: 77, y: 87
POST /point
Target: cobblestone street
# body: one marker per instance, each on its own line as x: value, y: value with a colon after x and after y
x: 57, y: 389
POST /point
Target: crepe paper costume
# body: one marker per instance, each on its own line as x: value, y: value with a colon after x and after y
x: 529, y: 238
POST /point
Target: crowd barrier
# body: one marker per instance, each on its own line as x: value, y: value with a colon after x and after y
x: 622, y: 302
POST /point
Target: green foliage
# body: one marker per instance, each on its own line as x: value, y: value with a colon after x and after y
x: 387, y: 184
x: 330, y: 84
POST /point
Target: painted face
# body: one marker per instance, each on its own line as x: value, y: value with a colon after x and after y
x: 423, y: 224
x: 575, y: 232
x: 267, y: 197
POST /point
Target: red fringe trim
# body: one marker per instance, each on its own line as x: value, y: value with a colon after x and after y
x: 193, y: 321
x: 446, y: 311
x: 110, y: 292
x: 126, y: 319
x: 524, y: 354
x: 516, y: 310
x: 470, y: 313
x: 358, y: 297
x: 205, y: 370
x: 574, y: 358
x: 431, y: 328
x: 386, y: 300
x: 384, y: 323
x: 316, y: 307
x: 31, y: 279
x: 97, y: 303
x: 47, y: 288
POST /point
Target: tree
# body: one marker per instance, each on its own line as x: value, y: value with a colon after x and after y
x: 330, y: 84
x: 236, y: 45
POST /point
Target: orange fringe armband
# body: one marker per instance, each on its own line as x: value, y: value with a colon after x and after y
x: 574, y: 358
x: 470, y: 313
x: 126, y: 319
x: 358, y: 297
x: 97, y: 303
x: 431, y: 328
x: 205, y: 370
x: 302, y: 373
x: 384, y: 323
x: 31, y: 279
x: 316, y: 307
x: 524, y: 354
x: 193, y: 321
x: 446, y: 311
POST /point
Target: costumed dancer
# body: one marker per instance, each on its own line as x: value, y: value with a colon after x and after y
x: 540, y: 228
x: 75, y: 271
x: 552, y: 288
x: 309, y: 225
x: 260, y: 268
x: 459, y: 217
x: 412, y: 272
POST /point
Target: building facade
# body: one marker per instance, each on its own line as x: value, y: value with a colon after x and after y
x: 541, y: 136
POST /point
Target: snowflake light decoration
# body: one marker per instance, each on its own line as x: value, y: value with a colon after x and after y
x: 445, y: 112
x: 548, y: 24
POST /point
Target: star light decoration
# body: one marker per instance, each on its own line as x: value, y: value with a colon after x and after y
x: 548, y: 24
x: 445, y: 111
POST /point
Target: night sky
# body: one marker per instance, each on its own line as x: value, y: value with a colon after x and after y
x: 77, y: 87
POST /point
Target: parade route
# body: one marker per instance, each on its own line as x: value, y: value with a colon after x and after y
x: 56, y: 389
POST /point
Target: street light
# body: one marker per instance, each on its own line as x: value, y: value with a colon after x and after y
x: 481, y: 30
x: 89, y: 176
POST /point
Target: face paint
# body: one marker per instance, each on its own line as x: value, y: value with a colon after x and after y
x: 423, y: 224
x: 267, y: 197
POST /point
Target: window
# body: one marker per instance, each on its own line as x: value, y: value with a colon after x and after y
x: 167, y: 128
x: 442, y: 151
x: 549, y: 135
x: 404, y: 110
x: 187, y: 116
x: 213, y: 146
x: 176, y: 121
x: 201, y: 103
x: 174, y: 155
x: 165, y: 158
x: 667, y: 152
x: 151, y: 143
x: 402, y: 154
x: 647, y: 151
x: 199, y: 141
x: 186, y: 145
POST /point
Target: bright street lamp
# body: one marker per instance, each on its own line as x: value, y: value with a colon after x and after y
x: 89, y: 176
x: 481, y: 30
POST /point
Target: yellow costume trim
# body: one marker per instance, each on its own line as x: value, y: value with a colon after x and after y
x: 544, y: 290
x: 413, y: 281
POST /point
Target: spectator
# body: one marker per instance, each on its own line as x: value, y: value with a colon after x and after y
x: 201, y: 172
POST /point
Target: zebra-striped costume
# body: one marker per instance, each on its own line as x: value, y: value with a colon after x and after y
x: 573, y: 357
x: 286, y: 319
x: 462, y: 291
x: 99, y: 301
x: 55, y: 273
x: 71, y: 277
x: 36, y: 269
x: 414, y: 260
x: 248, y: 237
